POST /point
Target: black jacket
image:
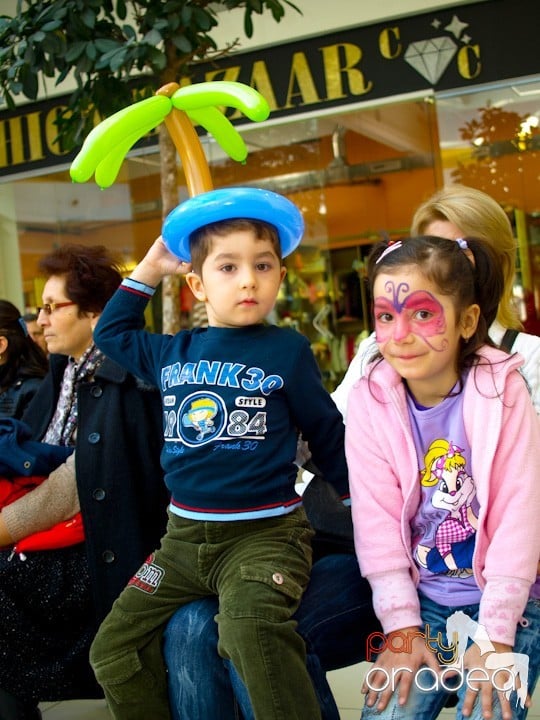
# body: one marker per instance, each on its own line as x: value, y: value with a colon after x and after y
x: 15, y: 400
x: 20, y: 455
x: 119, y: 479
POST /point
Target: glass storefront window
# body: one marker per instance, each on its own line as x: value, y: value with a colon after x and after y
x: 490, y: 140
x: 356, y: 175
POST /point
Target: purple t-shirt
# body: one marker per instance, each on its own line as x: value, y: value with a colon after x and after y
x: 444, y: 527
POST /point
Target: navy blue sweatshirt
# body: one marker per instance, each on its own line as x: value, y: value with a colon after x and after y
x: 234, y: 401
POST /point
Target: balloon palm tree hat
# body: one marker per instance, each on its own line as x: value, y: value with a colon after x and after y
x: 227, y: 204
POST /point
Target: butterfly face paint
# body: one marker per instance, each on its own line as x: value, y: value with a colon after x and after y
x: 400, y: 313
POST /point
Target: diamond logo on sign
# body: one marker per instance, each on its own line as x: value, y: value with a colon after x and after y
x: 431, y: 57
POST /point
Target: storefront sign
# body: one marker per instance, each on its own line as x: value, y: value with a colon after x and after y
x: 444, y: 49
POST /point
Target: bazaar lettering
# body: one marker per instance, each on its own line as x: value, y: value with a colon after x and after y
x: 339, y: 63
x: 341, y: 72
x: 329, y: 73
x: 29, y: 137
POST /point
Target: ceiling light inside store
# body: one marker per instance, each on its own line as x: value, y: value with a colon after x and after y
x: 531, y: 121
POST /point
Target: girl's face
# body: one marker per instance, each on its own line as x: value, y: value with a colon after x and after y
x: 66, y: 330
x: 239, y: 281
x: 418, y: 332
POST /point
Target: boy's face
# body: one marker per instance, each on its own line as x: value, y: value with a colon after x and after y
x: 239, y: 280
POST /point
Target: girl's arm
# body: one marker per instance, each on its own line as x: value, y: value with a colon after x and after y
x: 377, y: 508
x: 510, y: 515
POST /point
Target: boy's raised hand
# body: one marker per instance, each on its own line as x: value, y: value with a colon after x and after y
x: 157, y: 264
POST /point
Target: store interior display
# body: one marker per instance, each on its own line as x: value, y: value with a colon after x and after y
x: 323, y: 297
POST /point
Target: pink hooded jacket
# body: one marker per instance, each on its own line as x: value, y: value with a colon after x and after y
x: 504, y: 435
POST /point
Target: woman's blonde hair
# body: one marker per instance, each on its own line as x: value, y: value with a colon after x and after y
x: 476, y: 214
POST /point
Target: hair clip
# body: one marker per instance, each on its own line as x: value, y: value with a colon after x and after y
x: 392, y: 245
x: 462, y: 243
x: 23, y: 326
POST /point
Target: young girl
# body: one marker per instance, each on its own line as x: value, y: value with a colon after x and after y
x: 446, y: 519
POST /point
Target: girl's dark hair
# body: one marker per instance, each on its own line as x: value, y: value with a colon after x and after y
x: 92, y: 274
x: 24, y: 357
x: 200, y: 242
x: 468, y: 275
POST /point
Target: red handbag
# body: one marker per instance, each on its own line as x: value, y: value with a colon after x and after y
x: 69, y: 532
x: 63, y: 534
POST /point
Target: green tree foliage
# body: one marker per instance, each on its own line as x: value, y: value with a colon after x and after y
x: 105, y: 44
x: 118, y: 52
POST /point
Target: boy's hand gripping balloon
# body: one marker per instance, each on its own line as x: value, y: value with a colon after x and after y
x: 106, y: 146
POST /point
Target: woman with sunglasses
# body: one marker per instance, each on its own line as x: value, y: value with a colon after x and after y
x: 23, y: 364
x: 53, y: 601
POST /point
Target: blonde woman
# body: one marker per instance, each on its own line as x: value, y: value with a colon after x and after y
x: 454, y: 212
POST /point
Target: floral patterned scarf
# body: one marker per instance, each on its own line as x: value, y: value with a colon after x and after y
x: 63, y: 425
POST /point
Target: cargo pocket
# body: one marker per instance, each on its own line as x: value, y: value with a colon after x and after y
x: 268, y: 575
x: 262, y: 591
x: 125, y: 679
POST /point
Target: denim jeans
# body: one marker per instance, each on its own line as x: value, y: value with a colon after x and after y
x: 259, y: 569
x: 335, y: 617
x: 426, y: 705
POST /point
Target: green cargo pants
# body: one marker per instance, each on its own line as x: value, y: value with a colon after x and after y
x: 259, y: 570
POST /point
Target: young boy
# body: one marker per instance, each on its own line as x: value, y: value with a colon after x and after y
x: 235, y: 396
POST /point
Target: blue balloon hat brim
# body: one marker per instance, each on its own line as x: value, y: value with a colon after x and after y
x: 227, y: 204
